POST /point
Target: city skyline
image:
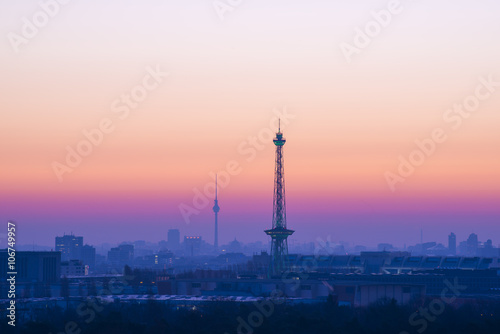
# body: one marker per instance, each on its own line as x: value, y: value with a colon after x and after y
x: 320, y: 242
x: 144, y: 148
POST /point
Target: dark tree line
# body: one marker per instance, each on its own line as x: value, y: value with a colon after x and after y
x: 230, y: 317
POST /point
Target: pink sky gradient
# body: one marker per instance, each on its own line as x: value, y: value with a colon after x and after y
x: 351, y: 121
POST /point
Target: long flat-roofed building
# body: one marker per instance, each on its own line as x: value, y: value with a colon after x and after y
x: 39, y: 267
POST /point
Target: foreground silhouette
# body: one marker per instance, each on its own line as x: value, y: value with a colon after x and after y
x: 385, y: 317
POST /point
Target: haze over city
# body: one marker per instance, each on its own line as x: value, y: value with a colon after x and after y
x: 231, y: 166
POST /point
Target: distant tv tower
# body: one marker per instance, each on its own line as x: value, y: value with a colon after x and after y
x: 216, y: 209
x: 279, y: 233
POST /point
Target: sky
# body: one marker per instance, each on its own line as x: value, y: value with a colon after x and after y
x: 388, y: 132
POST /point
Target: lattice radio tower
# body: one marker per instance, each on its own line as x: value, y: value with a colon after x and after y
x: 279, y: 233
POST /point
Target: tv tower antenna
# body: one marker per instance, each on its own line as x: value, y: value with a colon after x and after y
x: 279, y: 232
x: 216, y: 209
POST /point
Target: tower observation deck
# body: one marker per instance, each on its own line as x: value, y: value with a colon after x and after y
x: 216, y: 209
x: 279, y: 232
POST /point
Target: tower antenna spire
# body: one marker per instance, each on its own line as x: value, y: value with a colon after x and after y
x: 216, y: 209
x: 279, y: 231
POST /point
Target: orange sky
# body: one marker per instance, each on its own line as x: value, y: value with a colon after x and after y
x: 351, y: 121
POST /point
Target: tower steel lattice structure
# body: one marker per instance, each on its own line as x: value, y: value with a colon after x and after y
x: 279, y: 232
x: 216, y: 209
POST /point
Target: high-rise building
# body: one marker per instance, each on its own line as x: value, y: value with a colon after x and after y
x: 216, y: 209
x: 192, y: 245
x: 462, y: 248
x: 120, y: 256
x: 173, y: 239
x: 70, y: 247
x: 488, y: 250
x: 88, y: 257
x: 279, y: 232
x: 452, y: 243
x: 472, y: 244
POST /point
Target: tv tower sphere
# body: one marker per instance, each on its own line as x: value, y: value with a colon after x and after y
x: 216, y: 209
